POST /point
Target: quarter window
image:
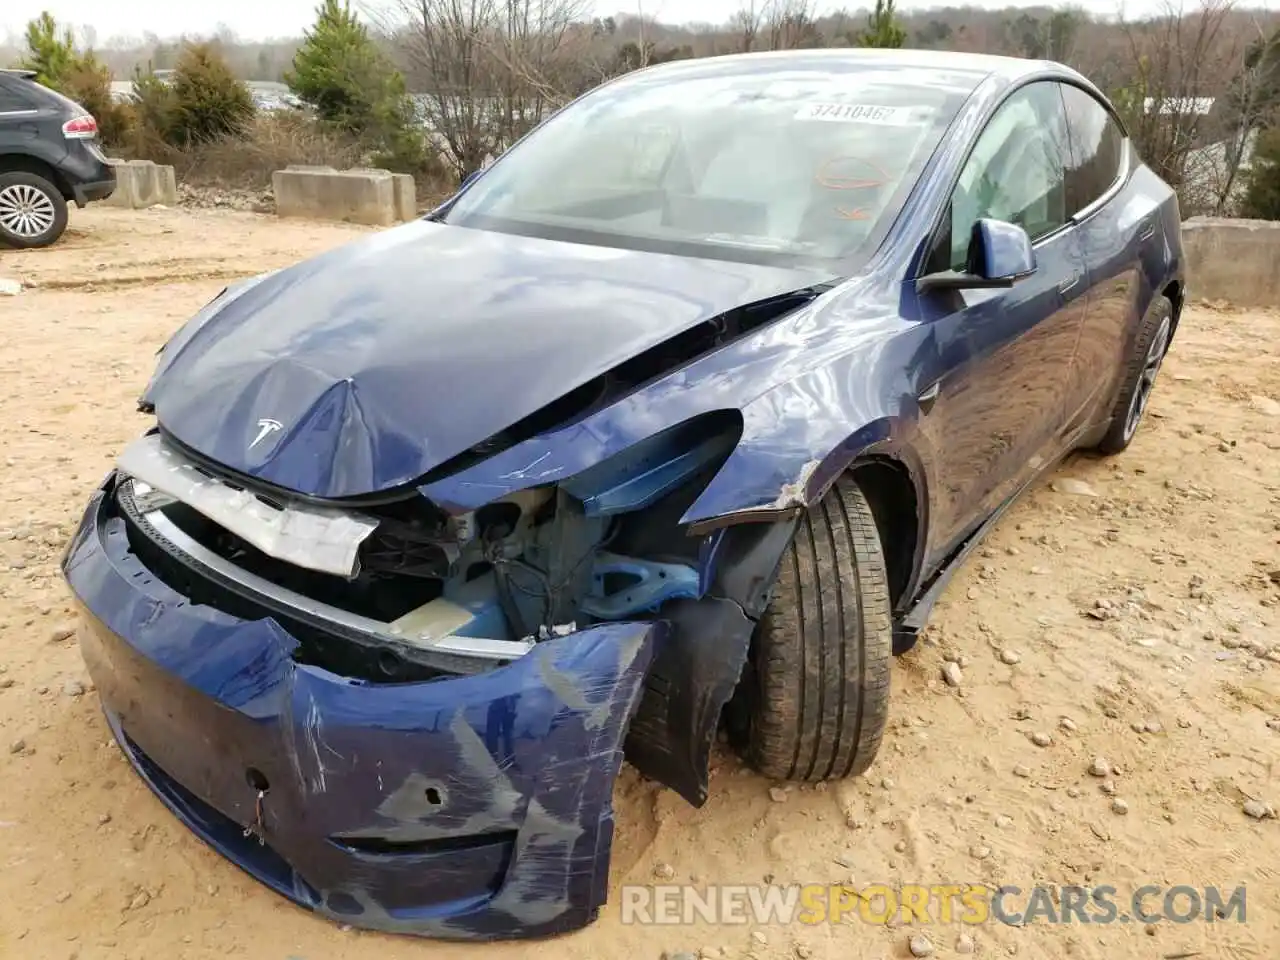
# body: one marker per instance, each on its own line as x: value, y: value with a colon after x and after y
x: 1097, y: 149
x: 10, y: 99
x: 1015, y: 173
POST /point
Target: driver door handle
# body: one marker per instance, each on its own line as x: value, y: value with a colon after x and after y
x: 1069, y: 284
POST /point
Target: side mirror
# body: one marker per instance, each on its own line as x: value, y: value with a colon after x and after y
x: 1000, y: 255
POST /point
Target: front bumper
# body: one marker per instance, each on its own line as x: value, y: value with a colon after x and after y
x: 470, y: 807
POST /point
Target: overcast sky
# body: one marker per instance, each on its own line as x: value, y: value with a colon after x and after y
x: 258, y: 19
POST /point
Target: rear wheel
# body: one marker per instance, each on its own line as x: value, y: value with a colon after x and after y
x: 819, y: 677
x: 1144, y: 364
x: 32, y: 210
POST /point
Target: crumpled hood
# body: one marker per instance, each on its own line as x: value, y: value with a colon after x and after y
x: 363, y: 368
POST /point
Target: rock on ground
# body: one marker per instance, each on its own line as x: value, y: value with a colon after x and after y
x: 920, y: 946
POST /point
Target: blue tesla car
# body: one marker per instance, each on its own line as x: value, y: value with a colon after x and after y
x: 676, y: 418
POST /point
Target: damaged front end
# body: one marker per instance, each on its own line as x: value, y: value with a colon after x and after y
x: 410, y: 717
x: 403, y: 591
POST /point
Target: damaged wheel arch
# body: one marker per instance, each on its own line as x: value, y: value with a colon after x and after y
x: 699, y: 672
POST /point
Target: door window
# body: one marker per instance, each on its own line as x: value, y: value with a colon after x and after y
x: 1097, y: 149
x: 1015, y: 173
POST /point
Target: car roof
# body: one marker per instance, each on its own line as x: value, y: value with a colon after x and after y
x: 978, y: 66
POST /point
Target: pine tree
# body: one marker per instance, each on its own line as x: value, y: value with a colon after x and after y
x: 208, y: 101
x: 341, y: 74
x: 51, y: 52
x: 1262, y: 199
x: 883, y: 29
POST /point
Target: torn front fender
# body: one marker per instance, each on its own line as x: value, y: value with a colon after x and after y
x: 468, y: 807
x: 794, y: 444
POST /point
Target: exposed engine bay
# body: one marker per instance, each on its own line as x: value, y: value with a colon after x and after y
x: 402, y: 591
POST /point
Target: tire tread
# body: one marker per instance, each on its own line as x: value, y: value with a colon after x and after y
x: 824, y: 649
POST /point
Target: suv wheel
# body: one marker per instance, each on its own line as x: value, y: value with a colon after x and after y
x: 818, y: 681
x: 32, y: 210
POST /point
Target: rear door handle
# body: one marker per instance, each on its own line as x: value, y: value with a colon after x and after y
x: 1069, y: 284
x: 1148, y: 231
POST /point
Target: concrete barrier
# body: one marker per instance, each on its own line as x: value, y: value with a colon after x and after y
x: 1233, y: 260
x: 406, y: 191
x: 406, y: 196
x: 141, y: 184
x: 375, y: 197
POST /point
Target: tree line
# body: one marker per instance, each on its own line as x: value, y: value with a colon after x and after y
x: 437, y: 87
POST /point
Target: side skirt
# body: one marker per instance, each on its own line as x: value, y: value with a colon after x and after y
x: 907, y: 627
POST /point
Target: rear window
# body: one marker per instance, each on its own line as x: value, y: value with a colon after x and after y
x: 73, y: 109
x: 11, y: 95
x: 1097, y: 149
x: 786, y: 166
x: 32, y: 95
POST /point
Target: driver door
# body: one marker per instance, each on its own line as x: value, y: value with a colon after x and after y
x: 1004, y: 354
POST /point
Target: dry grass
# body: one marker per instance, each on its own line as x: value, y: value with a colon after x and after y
x: 272, y: 142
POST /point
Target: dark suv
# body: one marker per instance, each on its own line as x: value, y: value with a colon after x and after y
x: 49, y: 154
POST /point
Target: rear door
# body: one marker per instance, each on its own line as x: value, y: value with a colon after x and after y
x: 1114, y: 226
x: 1005, y: 353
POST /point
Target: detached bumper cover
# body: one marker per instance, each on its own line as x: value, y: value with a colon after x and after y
x: 473, y: 807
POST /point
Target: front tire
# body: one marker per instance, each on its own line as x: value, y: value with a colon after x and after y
x: 819, y: 678
x: 33, y: 212
x: 1149, y: 348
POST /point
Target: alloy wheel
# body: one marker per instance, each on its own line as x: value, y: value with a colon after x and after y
x: 1147, y: 379
x: 26, y: 211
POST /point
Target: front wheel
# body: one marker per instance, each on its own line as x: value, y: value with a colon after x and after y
x: 818, y: 681
x: 1149, y: 348
x: 33, y: 212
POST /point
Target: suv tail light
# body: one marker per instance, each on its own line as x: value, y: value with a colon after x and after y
x: 83, y: 127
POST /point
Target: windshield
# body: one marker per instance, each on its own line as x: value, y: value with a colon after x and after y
x: 794, y: 166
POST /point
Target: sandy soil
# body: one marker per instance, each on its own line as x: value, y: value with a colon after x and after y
x: 1143, y: 621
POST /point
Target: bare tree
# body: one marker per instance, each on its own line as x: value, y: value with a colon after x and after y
x: 486, y: 71
x: 773, y: 25
x: 744, y: 25
x: 440, y: 44
x: 1046, y: 37
x: 791, y: 24
x: 536, y: 49
x: 1176, y: 58
x: 1193, y: 99
x: 1213, y: 180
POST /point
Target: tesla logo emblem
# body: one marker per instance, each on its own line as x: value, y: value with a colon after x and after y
x: 266, y: 427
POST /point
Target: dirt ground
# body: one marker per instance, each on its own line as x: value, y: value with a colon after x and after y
x: 1137, y: 624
